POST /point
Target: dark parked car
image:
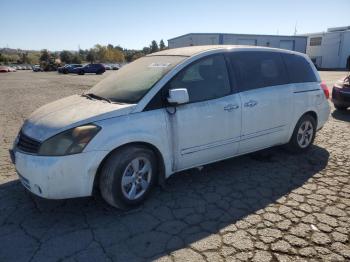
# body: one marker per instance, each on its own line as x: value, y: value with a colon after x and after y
x: 90, y: 68
x: 37, y: 68
x: 69, y: 68
x: 341, y: 94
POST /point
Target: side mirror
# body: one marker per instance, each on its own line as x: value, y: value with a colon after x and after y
x: 178, y: 96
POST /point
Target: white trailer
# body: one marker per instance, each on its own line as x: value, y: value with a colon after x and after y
x: 331, y: 49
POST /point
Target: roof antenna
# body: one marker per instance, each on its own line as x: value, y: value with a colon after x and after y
x: 295, y: 28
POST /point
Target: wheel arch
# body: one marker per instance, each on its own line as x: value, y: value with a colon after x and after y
x: 312, y: 113
x: 157, y: 152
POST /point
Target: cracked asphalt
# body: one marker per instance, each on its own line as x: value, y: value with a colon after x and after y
x: 267, y: 206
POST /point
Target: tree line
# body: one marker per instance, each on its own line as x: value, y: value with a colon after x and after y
x: 98, y: 53
x: 19, y: 57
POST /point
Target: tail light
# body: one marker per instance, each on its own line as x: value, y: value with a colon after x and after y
x: 325, y: 89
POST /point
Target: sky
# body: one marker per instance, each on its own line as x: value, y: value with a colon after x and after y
x: 68, y: 25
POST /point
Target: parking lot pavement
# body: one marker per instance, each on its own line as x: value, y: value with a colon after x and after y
x: 271, y: 206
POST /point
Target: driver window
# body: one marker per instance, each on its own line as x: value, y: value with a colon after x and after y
x: 204, y: 80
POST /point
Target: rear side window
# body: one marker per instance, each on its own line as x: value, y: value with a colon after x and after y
x: 255, y: 69
x: 204, y: 79
x: 299, y: 69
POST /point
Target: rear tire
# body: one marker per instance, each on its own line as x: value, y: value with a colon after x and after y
x: 128, y: 176
x: 340, y: 108
x: 303, y: 135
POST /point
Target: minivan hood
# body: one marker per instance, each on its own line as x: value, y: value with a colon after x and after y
x: 70, y: 112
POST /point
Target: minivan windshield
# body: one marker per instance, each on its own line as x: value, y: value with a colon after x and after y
x: 130, y: 83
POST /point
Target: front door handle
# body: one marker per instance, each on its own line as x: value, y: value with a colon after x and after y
x: 230, y: 107
x: 250, y: 103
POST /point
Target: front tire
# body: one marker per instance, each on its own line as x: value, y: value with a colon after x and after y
x: 303, y: 135
x: 128, y: 176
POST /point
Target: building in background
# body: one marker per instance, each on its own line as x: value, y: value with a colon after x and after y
x: 328, y: 50
x: 331, y: 49
x: 295, y: 43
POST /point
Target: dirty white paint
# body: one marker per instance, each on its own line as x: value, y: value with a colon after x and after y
x: 156, y: 65
x: 197, y: 134
x: 70, y: 112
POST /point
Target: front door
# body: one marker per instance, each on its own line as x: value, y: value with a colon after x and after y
x: 208, y: 127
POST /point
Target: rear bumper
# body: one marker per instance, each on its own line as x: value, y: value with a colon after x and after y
x: 341, y: 97
x: 58, y: 177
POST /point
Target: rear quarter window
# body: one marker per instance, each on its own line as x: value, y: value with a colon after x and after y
x: 255, y: 69
x: 299, y: 69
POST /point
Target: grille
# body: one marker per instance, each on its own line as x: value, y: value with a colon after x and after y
x: 27, y: 144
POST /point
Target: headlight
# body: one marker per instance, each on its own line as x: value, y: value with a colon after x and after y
x: 69, y: 142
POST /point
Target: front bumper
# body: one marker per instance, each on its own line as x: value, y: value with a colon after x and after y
x: 58, y: 177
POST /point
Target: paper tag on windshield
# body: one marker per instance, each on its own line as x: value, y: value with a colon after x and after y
x: 159, y: 65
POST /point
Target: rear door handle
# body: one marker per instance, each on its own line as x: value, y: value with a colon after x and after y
x: 250, y: 103
x: 231, y: 107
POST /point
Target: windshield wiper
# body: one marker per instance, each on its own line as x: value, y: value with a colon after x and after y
x: 91, y: 95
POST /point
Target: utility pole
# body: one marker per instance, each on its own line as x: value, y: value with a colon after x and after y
x: 295, y: 28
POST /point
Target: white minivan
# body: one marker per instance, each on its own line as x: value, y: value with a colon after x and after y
x: 166, y: 112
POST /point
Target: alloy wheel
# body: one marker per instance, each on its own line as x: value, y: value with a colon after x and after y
x: 136, y: 178
x: 305, y: 134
